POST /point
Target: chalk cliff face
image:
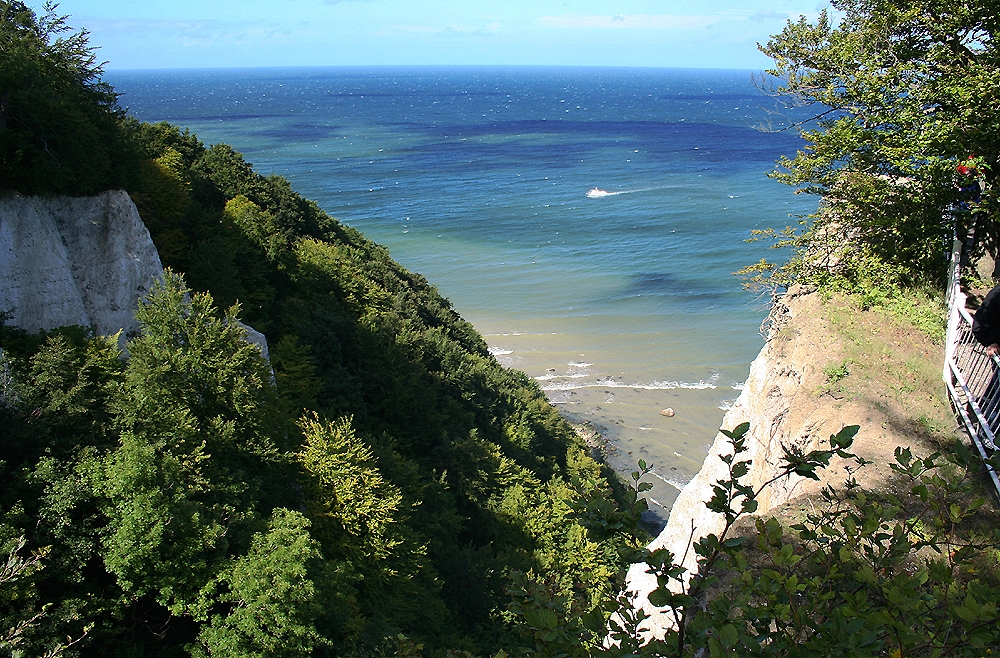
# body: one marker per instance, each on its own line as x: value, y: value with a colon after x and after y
x: 783, y: 402
x: 78, y: 261
x: 83, y: 261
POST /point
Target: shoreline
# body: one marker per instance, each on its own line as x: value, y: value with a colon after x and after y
x: 602, y: 449
x: 618, y: 413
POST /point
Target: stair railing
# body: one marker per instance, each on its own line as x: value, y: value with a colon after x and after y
x: 971, y: 375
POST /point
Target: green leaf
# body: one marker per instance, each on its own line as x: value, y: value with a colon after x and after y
x: 541, y: 618
x: 728, y: 636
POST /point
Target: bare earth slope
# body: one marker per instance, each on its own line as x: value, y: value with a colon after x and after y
x: 826, y: 364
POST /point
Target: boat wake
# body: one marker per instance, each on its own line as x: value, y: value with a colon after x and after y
x: 598, y: 193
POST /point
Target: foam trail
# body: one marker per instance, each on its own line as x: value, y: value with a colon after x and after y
x: 545, y: 378
x: 656, y: 502
x: 652, y: 386
x: 598, y: 193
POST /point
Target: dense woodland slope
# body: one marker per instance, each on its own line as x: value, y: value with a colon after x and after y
x: 384, y: 489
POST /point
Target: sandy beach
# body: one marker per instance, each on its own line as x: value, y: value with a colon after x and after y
x: 625, y: 408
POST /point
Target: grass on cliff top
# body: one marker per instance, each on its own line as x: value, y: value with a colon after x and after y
x: 887, y: 563
x: 888, y: 365
x: 892, y: 357
x: 881, y: 367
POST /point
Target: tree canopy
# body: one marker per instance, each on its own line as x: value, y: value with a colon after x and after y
x: 906, y: 128
x: 381, y: 482
x: 60, y: 124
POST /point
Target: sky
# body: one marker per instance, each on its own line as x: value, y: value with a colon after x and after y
x: 144, y: 34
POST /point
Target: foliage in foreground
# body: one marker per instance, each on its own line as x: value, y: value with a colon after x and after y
x: 911, y: 571
x: 385, y: 477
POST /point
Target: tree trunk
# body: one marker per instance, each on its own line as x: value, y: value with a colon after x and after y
x: 4, y: 102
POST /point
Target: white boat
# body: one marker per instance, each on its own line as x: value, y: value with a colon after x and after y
x: 598, y: 192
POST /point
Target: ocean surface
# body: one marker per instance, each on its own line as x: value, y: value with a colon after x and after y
x: 587, y: 221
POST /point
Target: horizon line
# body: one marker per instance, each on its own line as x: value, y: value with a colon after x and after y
x: 430, y: 66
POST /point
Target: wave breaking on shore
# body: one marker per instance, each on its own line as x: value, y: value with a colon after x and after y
x: 610, y: 382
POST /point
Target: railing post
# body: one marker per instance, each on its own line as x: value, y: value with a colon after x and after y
x: 954, y: 267
x: 956, y: 299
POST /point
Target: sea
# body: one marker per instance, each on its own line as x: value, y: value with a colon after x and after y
x: 587, y: 221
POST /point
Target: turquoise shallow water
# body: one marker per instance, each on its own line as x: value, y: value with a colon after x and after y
x: 587, y: 221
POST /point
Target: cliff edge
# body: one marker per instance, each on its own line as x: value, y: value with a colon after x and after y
x: 78, y: 261
x: 74, y: 261
x: 825, y: 365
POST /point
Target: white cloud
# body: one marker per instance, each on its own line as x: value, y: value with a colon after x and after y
x: 761, y: 16
x: 454, y: 30
x: 628, y: 21
x: 190, y: 32
x: 462, y: 31
x: 130, y: 26
x: 426, y: 29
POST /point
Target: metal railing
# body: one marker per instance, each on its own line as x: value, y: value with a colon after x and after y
x: 971, y: 375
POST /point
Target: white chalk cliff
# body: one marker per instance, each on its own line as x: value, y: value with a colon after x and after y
x: 74, y: 261
x: 78, y: 261
x: 782, y: 403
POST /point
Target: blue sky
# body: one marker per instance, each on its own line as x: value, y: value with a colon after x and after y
x: 226, y: 33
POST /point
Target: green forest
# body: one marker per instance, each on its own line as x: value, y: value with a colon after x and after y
x: 382, y: 486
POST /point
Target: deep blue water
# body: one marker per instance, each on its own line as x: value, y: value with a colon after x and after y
x: 621, y: 302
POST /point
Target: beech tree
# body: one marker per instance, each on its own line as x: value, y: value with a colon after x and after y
x: 906, y: 128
